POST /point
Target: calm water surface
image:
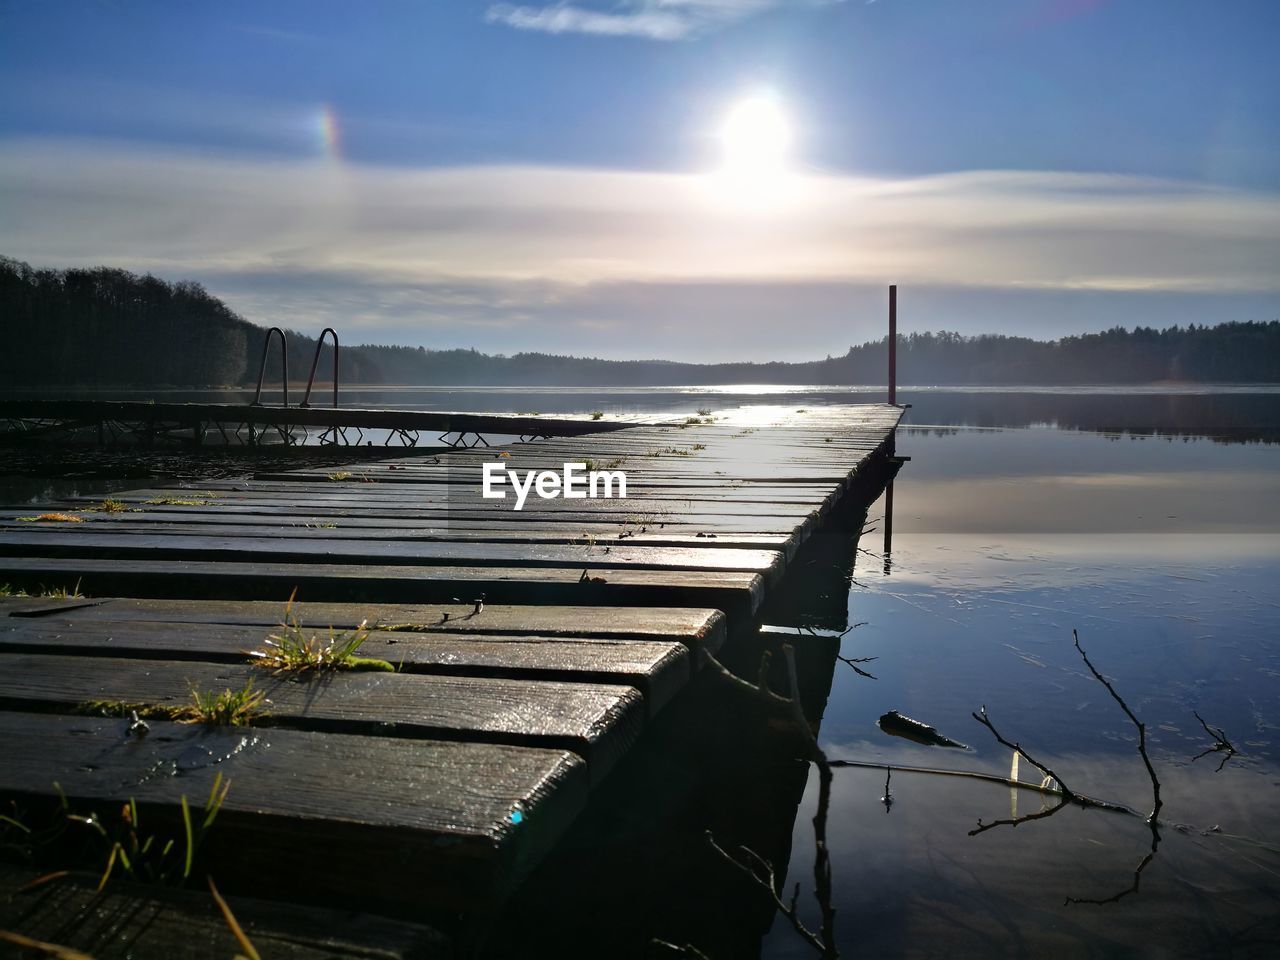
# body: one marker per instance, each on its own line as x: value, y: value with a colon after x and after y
x: 1161, y: 546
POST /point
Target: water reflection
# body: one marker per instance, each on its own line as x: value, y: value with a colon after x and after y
x: 1223, y: 413
x: 1165, y: 556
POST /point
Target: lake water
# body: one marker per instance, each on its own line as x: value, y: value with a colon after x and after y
x: 1149, y: 521
x: 1161, y: 546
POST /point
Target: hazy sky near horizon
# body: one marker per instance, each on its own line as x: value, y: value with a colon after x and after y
x: 582, y: 176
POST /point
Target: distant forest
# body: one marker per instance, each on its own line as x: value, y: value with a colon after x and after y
x: 107, y: 327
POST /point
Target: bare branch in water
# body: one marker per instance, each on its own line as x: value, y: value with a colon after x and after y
x: 1221, y: 743
x: 1067, y: 794
x: 1138, y: 724
x: 1040, y: 815
x: 825, y: 941
x: 762, y: 875
x: 853, y: 663
x: 1132, y: 888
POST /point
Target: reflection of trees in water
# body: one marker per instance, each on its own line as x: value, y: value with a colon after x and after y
x: 1220, y: 417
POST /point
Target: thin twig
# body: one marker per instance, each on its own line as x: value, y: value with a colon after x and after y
x: 825, y: 942
x: 1132, y: 888
x: 1156, y: 803
x: 851, y: 661
x: 1221, y: 743
x: 1044, y: 788
x: 854, y: 661
x: 768, y: 883
x: 822, y: 860
x: 1153, y: 820
x: 1040, y: 815
x: 1066, y: 791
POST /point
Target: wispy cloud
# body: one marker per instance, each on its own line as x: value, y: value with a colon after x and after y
x: 282, y: 36
x: 463, y: 248
x: 650, y: 19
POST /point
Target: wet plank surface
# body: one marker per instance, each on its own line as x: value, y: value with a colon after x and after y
x: 130, y: 922
x: 531, y: 647
x: 427, y: 819
x: 657, y: 669
x: 597, y: 721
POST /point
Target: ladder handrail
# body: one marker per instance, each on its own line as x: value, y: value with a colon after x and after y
x: 262, y: 370
x: 306, y: 399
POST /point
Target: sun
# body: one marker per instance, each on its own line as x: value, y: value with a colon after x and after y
x: 756, y: 136
x: 755, y: 174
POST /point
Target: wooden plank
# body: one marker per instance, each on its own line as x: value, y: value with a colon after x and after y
x: 616, y: 554
x: 658, y: 670
x: 350, y: 515
x: 413, y: 821
x: 695, y: 628
x: 675, y: 502
x: 128, y: 921
x: 424, y: 420
x: 737, y: 594
x: 491, y: 531
x: 599, y: 722
x: 709, y: 489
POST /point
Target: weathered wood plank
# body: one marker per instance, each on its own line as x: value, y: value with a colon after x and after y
x: 737, y: 594
x: 414, y: 821
x: 289, y: 512
x: 129, y: 921
x: 657, y: 670
x: 599, y: 722
x: 695, y: 628
x: 616, y: 554
x: 491, y: 531
x: 431, y: 421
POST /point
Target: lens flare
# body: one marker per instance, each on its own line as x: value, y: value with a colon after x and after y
x: 329, y: 135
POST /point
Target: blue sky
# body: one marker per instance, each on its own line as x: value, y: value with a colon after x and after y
x: 547, y: 176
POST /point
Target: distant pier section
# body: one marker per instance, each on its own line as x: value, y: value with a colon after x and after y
x: 111, y: 422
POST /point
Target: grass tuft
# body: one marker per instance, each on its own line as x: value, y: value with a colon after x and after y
x: 230, y: 708
x: 111, y: 506
x: 293, y: 651
x: 144, y: 857
x: 8, y: 591
x: 53, y: 518
x: 597, y: 415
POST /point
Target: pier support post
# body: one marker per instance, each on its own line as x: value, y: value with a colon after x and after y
x: 893, y: 343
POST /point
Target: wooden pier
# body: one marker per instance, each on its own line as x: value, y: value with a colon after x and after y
x: 147, y: 423
x: 531, y: 651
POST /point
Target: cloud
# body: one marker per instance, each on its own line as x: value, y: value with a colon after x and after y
x: 532, y: 254
x: 649, y: 23
x: 650, y: 19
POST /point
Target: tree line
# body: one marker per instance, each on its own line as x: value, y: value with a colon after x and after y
x: 107, y: 327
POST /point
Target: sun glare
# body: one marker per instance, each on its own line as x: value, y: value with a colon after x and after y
x: 756, y: 136
x: 755, y: 141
